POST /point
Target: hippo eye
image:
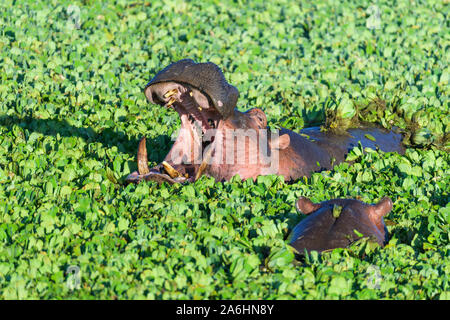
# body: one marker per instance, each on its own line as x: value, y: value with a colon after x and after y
x: 260, y: 119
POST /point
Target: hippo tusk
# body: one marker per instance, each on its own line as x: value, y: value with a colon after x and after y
x: 142, y: 159
x: 205, y: 161
x: 173, y: 173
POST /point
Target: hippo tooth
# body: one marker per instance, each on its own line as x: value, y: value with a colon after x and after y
x: 170, y: 102
x: 170, y: 93
x: 173, y: 173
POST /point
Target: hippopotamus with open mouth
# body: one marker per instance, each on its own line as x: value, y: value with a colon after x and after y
x: 217, y: 140
x: 337, y: 223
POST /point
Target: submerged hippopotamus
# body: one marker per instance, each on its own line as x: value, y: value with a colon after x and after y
x: 337, y: 223
x: 218, y: 140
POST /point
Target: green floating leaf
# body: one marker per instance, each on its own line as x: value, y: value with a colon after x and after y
x: 423, y: 137
x: 280, y: 257
x: 340, y: 286
x: 359, y: 234
x: 337, y: 210
x: 122, y: 224
x: 346, y: 108
x: 111, y: 176
x: 243, y: 266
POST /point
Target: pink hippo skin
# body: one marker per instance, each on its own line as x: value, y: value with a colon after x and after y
x: 218, y: 140
x: 332, y: 224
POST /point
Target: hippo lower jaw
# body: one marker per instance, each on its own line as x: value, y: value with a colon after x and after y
x: 198, y: 121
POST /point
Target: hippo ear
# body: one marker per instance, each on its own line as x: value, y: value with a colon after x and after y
x: 383, y: 207
x: 306, y: 206
x: 283, y: 142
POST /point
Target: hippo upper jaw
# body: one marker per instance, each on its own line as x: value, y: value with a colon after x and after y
x: 188, y: 101
x: 205, y: 80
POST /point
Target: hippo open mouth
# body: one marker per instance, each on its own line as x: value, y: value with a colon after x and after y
x: 202, y: 97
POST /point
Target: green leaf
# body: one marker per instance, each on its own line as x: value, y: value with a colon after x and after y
x: 280, y: 257
x: 337, y: 210
x: 345, y: 108
x: 122, y: 224
x: 370, y: 137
